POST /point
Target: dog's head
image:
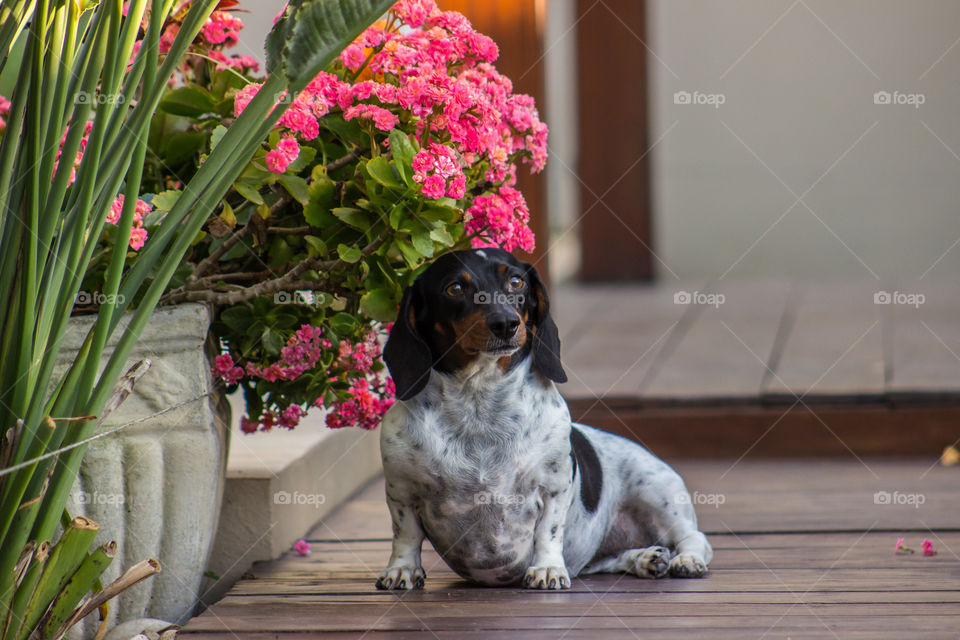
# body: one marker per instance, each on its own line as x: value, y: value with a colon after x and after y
x: 466, y: 305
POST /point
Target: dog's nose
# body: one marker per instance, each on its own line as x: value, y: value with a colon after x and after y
x: 503, y: 325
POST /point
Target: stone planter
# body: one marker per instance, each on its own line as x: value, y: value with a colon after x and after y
x: 156, y: 486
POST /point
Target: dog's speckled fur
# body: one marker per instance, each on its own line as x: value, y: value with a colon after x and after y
x: 481, y: 458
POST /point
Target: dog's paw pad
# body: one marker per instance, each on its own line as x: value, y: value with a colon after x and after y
x: 652, y: 562
x: 688, y: 565
x: 401, y: 578
x: 546, y: 578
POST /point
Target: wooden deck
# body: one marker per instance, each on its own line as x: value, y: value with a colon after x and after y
x: 807, y: 422
x: 802, y: 550
x: 779, y: 368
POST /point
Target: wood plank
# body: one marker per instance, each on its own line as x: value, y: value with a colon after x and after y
x: 621, y: 340
x: 925, y: 338
x: 819, y: 428
x: 758, y: 496
x: 724, y: 353
x: 835, y: 347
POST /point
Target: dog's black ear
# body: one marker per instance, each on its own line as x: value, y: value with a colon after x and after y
x: 546, y: 338
x: 407, y: 355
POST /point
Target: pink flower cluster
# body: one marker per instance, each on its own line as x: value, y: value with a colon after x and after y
x: 280, y: 157
x: 431, y: 68
x: 500, y: 220
x: 436, y: 167
x: 138, y: 235
x: 370, y: 393
x: 222, y: 27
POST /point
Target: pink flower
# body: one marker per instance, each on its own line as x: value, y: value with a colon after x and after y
x: 382, y: 118
x: 901, y: 548
x: 247, y: 425
x: 352, y: 57
x: 302, y: 547
x: 138, y: 237
x: 243, y: 98
x: 290, y: 416
x: 222, y: 27
x: 927, y: 546
x: 279, y: 159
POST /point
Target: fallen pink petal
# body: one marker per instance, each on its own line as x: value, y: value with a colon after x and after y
x: 901, y: 548
x: 302, y: 547
x: 927, y: 546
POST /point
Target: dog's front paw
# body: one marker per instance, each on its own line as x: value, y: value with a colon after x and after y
x: 688, y: 565
x: 401, y: 578
x: 546, y: 578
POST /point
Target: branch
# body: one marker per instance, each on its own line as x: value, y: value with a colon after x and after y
x: 196, y: 292
x: 343, y: 160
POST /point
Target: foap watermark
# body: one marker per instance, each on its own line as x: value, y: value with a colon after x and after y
x: 699, y: 98
x: 301, y: 297
x: 83, y: 97
x: 696, y: 498
x: 498, y: 297
x: 899, y: 297
x: 97, y: 498
x: 487, y: 497
x: 85, y: 298
x: 899, y: 98
x: 698, y: 297
x: 899, y: 498
x: 298, y: 498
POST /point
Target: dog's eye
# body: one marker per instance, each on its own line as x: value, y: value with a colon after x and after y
x: 516, y: 282
x: 454, y: 290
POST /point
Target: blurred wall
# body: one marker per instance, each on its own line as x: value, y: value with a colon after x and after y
x: 880, y: 183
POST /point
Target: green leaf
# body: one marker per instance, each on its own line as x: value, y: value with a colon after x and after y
x: 181, y: 147
x: 410, y: 255
x: 317, y: 32
x: 190, y: 101
x: 422, y: 242
x: 304, y: 159
x: 441, y: 235
x: 317, y: 246
x: 379, y: 304
x: 440, y: 214
x: 249, y: 192
x: 237, y: 318
x: 272, y: 341
x: 382, y: 171
x: 165, y: 200
x: 322, y: 199
x: 349, y: 254
x: 397, y: 215
x: 353, y: 217
x: 218, y: 132
x: 296, y: 187
x: 343, y: 324
x: 403, y: 152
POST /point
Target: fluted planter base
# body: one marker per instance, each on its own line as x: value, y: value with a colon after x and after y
x: 156, y: 486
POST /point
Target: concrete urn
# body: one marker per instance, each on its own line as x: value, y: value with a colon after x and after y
x: 156, y: 486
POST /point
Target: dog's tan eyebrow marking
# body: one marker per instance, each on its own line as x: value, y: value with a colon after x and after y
x: 502, y: 269
x: 466, y: 277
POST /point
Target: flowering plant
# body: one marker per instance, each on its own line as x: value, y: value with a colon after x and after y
x: 406, y: 146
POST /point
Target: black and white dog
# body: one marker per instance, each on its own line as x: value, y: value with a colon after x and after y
x: 481, y: 457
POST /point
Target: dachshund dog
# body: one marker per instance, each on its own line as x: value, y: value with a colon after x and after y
x: 481, y: 457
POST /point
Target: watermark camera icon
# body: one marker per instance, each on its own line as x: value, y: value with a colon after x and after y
x: 681, y: 97
x: 294, y: 297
